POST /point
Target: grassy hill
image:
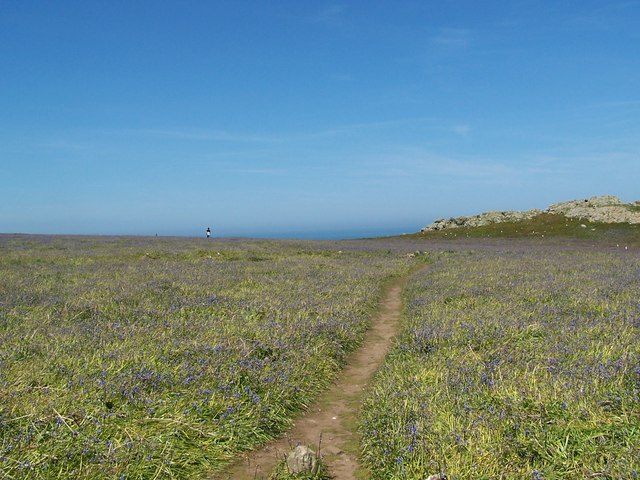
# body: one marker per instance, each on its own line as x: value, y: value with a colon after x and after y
x: 544, y: 225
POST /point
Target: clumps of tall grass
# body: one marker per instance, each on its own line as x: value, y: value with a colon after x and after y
x: 522, y: 365
x: 123, y: 358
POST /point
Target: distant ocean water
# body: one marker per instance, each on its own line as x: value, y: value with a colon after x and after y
x: 333, y: 234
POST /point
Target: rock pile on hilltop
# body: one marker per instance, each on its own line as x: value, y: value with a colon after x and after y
x: 605, y: 209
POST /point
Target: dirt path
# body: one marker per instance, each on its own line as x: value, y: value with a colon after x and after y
x: 331, y: 421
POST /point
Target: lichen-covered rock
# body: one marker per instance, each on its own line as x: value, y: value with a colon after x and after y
x: 605, y: 209
x: 302, y: 460
x: 480, y: 220
x: 593, y: 202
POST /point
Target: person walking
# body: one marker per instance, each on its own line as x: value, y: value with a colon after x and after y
x: 208, y: 232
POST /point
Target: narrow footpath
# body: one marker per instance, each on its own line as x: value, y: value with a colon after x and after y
x: 331, y: 422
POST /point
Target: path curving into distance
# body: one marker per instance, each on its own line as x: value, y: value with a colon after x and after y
x: 331, y: 421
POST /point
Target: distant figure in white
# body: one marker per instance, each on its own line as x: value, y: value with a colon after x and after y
x: 208, y: 232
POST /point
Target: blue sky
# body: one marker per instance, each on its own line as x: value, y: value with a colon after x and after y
x: 291, y: 118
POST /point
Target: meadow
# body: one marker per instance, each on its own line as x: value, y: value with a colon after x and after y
x: 518, y: 361
x: 164, y: 358
x: 145, y: 358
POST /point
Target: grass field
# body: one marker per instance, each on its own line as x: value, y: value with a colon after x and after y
x: 153, y: 358
x: 143, y: 358
x: 514, y: 362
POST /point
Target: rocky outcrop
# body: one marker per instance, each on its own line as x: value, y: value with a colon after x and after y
x: 605, y: 209
x: 480, y: 220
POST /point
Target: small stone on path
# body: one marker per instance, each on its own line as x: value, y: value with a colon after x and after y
x: 302, y: 460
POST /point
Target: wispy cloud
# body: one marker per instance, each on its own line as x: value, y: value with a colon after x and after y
x: 617, y: 104
x: 452, y: 38
x: 67, y: 145
x: 438, y: 44
x: 374, y: 125
x: 263, y: 138
x: 341, y: 77
x: 524, y: 169
x: 331, y: 15
x: 419, y: 163
x: 599, y: 161
x: 461, y: 130
x: 477, y: 169
x: 260, y: 171
x: 212, y: 135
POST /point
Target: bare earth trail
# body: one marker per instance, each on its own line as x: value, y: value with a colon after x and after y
x: 332, y: 421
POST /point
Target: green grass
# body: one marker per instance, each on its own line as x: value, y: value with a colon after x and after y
x: 163, y: 358
x: 135, y: 358
x: 547, y: 225
x: 513, y: 363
